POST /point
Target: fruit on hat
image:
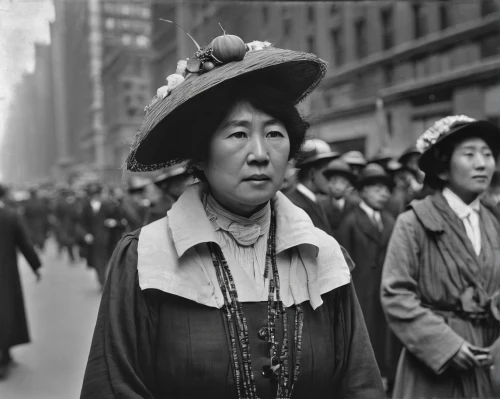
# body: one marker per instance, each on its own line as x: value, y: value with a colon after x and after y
x: 227, y: 48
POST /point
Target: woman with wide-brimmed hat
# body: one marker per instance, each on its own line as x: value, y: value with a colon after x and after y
x: 235, y: 294
x: 441, y: 281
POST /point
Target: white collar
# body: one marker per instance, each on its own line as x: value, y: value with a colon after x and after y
x: 190, y: 225
x: 308, y: 193
x: 461, y: 209
x: 372, y: 213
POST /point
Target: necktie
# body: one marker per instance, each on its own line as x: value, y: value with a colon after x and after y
x: 377, y: 221
x: 473, y: 230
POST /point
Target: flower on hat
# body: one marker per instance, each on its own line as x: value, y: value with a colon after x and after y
x: 257, y: 45
x: 439, y: 129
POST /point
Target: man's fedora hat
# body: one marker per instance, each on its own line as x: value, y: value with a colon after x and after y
x: 315, y: 150
x: 159, y: 141
x: 372, y: 174
x: 354, y: 158
x: 458, y: 127
x: 340, y: 167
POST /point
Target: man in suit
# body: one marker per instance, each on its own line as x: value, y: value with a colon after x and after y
x: 101, y: 221
x: 316, y: 155
x: 13, y: 324
x: 365, y: 234
x: 337, y: 204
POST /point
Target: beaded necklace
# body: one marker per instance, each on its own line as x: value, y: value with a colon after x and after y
x: 236, y: 322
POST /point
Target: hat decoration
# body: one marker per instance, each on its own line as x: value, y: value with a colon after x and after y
x: 440, y: 128
x: 223, y: 49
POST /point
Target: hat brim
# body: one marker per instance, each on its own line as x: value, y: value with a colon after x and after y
x: 158, y: 143
x: 481, y: 129
x: 348, y: 175
x: 328, y: 156
x: 371, y: 180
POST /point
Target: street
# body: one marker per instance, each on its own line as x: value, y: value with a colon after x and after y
x: 61, y: 312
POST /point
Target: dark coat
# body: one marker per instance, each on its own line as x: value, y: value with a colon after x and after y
x: 13, y: 237
x: 336, y: 215
x: 66, y: 218
x: 36, y: 212
x: 367, y: 247
x: 432, y: 273
x: 99, y: 251
x: 315, y: 211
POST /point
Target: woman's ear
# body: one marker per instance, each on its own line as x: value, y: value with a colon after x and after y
x: 443, y: 175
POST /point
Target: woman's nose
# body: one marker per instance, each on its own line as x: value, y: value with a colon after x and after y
x: 480, y: 161
x: 258, y: 151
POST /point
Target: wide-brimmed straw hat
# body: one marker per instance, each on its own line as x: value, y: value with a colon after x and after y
x: 372, y: 174
x: 340, y: 167
x: 457, y: 127
x: 161, y: 139
x: 315, y: 150
x: 354, y: 158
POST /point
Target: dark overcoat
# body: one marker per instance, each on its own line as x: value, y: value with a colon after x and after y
x: 36, y: 215
x: 105, y: 239
x: 315, y: 210
x: 336, y: 215
x: 67, y: 219
x: 13, y: 237
x: 367, y: 247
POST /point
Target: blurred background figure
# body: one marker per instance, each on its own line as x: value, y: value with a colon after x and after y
x: 135, y: 204
x: 35, y: 212
x: 316, y: 154
x: 365, y: 234
x: 13, y: 324
x: 355, y: 160
x: 171, y: 183
x: 101, y: 222
x: 337, y: 203
x: 290, y: 181
x: 66, y: 220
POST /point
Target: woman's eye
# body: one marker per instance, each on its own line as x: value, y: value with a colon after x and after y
x: 275, y: 134
x: 238, y: 135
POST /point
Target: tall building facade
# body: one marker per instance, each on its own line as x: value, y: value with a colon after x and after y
x: 126, y: 76
x: 423, y: 60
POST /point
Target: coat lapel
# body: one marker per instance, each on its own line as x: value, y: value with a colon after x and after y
x: 366, y: 225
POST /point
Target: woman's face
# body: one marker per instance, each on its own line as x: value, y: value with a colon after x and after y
x: 471, y: 168
x: 247, y: 159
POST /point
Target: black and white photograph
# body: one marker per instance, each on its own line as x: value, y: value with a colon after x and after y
x: 249, y: 199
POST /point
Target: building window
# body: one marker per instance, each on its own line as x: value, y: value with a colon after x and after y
x: 334, y: 9
x: 311, y: 44
x: 265, y: 14
x: 110, y: 23
x: 419, y: 22
x: 387, y: 28
x: 338, y: 46
x: 488, y: 7
x: 420, y: 67
x: 360, y: 29
x: 389, y: 74
x: 287, y: 26
x: 444, y: 17
x: 311, y: 14
x: 142, y: 41
x: 490, y: 46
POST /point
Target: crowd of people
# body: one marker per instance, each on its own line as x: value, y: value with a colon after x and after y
x: 331, y: 273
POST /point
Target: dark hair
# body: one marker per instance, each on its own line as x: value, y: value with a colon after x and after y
x: 215, y: 105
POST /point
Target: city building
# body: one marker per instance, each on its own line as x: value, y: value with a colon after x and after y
x: 422, y: 60
x: 126, y: 77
